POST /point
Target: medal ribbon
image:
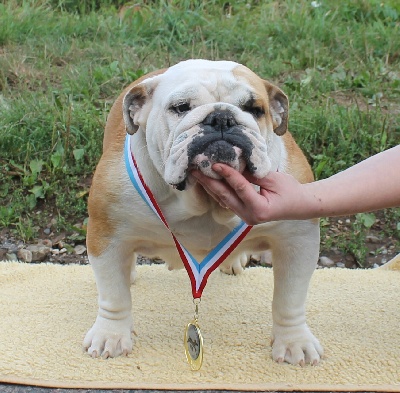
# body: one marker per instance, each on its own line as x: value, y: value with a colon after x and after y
x: 198, y: 272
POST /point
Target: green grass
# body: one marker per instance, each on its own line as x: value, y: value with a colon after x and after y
x: 62, y: 63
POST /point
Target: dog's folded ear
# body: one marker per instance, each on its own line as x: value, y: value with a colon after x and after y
x: 134, y: 103
x: 279, y: 108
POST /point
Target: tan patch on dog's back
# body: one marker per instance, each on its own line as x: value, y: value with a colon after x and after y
x: 297, y: 164
x: 101, y: 197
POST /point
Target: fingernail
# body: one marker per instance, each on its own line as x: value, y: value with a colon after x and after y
x: 217, y: 168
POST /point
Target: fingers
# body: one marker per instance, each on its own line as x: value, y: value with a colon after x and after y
x: 236, y: 192
x: 220, y: 191
x: 213, y: 187
x: 240, y: 185
x: 212, y: 192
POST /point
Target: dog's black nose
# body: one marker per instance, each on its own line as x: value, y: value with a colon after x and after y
x: 220, y: 120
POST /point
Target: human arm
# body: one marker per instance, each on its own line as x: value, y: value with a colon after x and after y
x: 370, y: 185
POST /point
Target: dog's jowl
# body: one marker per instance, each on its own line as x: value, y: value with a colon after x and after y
x: 189, y: 116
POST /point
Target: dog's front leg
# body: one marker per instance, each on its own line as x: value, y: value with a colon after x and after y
x: 110, y: 336
x: 294, y: 261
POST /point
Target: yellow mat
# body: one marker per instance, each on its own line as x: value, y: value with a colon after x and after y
x: 46, y: 309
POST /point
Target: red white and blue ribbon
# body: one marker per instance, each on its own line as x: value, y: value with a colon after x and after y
x: 198, y: 271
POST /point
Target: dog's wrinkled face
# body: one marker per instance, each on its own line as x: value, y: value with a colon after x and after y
x: 200, y: 112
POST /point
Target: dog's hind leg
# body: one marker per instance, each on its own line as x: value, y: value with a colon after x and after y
x: 133, y: 268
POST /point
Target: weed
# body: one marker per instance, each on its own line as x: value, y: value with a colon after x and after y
x: 7, y: 215
x: 25, y: 229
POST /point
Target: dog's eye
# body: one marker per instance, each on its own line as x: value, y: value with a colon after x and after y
x: 181, y: 108
x: 256, y: 111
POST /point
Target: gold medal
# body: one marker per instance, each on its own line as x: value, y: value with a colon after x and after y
x: 193, y: 341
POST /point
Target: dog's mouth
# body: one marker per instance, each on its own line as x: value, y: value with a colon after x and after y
x: 219, y: 151
x: 204, y: 149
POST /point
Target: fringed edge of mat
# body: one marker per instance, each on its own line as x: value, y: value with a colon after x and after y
x: 200, y: 386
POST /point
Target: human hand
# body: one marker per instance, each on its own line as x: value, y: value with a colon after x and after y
x: 281, y: 196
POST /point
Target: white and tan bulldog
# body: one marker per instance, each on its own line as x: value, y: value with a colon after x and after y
x: 188, y: 116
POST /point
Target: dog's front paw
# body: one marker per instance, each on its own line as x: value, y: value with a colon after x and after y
x: 109, y: 338
x: 295, y: 345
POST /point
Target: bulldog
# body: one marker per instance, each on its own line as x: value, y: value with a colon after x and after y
x: 186, y: 117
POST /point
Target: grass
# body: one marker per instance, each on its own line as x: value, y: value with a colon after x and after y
x: 62, y: 63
